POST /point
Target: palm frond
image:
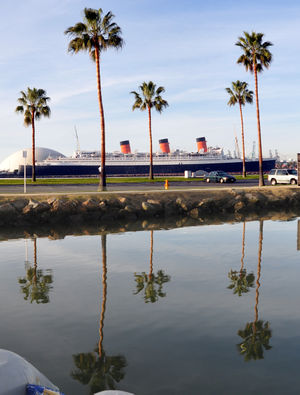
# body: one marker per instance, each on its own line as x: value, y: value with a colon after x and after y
x: 92, y: 16
x: 19, y: 109
x: 76, y: 30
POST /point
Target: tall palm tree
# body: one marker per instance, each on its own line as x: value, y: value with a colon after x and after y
x: 34, y: 104
x: 255, y: 58
x: 96, y: 369
x: 240, y: 94
x: 152, y: 284
x: 257, y: 334
x: 96, y: 34
x: 241, y: 282
x: 151, y: 98
x: 36, y: 285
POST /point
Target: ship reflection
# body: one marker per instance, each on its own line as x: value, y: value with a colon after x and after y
x: 96, y: 369
x: 151, y: 284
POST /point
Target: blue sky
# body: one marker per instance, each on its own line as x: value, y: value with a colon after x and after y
x: 185, y: 46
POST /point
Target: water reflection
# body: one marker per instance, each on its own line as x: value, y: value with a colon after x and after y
x: 257, y: 334
x: 36, y: 285
x: 241, y: 282
x: 151, y: 284
x: 90, y: 332
x: 298, y: 235
x: 96, y: 369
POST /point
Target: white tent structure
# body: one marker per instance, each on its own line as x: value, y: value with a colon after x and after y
x: 12, y: 162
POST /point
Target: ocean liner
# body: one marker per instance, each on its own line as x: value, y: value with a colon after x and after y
x: 126, y: 163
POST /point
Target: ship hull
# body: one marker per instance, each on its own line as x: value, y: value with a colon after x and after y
x: 161, y: 169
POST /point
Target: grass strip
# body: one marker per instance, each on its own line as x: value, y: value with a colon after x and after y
x: 110, y: 180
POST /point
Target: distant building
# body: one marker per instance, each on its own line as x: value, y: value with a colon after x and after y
x: 12, y: 162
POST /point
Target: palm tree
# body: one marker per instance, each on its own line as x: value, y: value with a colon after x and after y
x: 152, y: 284
x: 34, y: 105
x: 96, y: 34
x: 257, y: 334
x: 241, y: 95
x: 36, y: 285
x: 96, y: 369
x: 241, y: 282
x: 151, y: 97
x: 255, y: 58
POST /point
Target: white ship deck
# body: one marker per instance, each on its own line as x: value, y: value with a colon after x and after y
x: 137, y: 160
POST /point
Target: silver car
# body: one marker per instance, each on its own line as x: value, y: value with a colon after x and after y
x: 283, y: 176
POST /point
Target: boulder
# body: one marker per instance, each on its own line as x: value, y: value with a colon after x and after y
x: 239, y: 206
x: 171, y: 208
x: 19, y: 204
x: 130, y: 208
x: 36, y: 207
x: 123, y: 201
x: 90, y: 204
x: 7, y: 209
x: 194, y: 213
x: 151, y: 208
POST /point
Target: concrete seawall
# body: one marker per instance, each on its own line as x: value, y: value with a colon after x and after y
x: 109, y: 208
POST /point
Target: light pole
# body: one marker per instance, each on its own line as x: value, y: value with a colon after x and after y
x: 24, y: 156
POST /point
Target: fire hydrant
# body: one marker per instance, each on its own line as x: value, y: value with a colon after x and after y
x: 166, y: 184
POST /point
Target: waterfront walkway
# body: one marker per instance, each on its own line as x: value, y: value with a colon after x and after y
x: 119, y: 187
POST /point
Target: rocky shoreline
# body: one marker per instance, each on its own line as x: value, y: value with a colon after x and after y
x: 107, y: 209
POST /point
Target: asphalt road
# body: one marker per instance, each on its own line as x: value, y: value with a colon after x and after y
x: 85, y: 188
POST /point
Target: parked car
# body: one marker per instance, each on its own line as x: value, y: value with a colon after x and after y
x: 219, y: 176
x: 200, y: 174
x: 283, y: 176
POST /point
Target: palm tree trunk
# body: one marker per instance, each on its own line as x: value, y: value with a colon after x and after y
x: 151, y: 255
x: 261, y: 223
x: 102, y: 122
x: 260, y: 160
x: 34, y: 259
x: 243, y: 142
x: 243, y: 249
x: 151, y: 154
x: 104, y: 294
x: 33, y: 146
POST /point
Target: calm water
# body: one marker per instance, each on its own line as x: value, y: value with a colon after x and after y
x: 155, y: 312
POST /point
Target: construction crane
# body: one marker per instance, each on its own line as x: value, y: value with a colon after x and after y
x: 253, y: 150
x: 270, y: 153
x: 77, y: 140
x: 237, y: 148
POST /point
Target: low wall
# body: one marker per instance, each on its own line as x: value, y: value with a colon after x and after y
x: 109, y: 208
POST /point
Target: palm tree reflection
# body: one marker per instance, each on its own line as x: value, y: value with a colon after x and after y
x: 151, y: 283
x: 36, y: 285
x: 96, y: 369
x: 99, y: 373
x: 241, y: 282
x: 257, y: 334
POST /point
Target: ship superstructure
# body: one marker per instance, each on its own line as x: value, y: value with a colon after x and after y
x: 165, y: 161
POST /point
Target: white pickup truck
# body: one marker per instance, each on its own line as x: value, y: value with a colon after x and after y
x: 283, y: 176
